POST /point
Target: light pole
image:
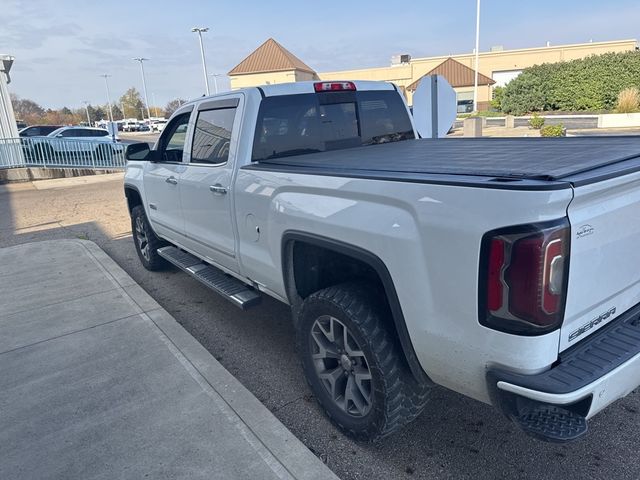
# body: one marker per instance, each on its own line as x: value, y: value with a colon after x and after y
x: 86, y: 107
x: 200, y: 31
x: 144, y: 84
x: 475, y: 81
x: 106, y: 84
x: 215, y: 80
x: 155, y: 105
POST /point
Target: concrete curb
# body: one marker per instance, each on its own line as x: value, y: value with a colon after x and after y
x: 285, y: 455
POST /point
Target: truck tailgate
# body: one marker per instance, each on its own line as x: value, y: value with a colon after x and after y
x: 604, y: 270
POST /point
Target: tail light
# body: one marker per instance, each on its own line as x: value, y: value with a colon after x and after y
x: 523, y: 277
x: 334, y: 86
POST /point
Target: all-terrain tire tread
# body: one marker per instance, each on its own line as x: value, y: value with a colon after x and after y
x: 405, y: 398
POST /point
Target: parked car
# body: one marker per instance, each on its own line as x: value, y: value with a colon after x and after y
x: 503, y: 269
x: 75, y: 143
x: 158, y: 125
x: 38, y: 130
x: 143, y: 127
x: 130, y: 126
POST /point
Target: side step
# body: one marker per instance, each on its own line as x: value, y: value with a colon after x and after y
x: 551, y: 423
x: 230, y: 288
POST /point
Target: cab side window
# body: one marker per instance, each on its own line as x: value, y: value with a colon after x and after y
x: 212, y: 136
x: 171, y: 146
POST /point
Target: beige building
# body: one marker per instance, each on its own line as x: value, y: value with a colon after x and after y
x: 274, y: 64
x: 268, y: 64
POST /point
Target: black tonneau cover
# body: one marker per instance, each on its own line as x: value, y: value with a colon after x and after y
x: 543, y: 159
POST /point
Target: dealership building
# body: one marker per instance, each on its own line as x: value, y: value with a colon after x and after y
x: 272, y: 63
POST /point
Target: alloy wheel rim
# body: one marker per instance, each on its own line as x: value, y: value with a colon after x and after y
x: 141, y: 236
x: 341, y: 366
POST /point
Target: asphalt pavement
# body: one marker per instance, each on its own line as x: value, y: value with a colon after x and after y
x: 454, y: 438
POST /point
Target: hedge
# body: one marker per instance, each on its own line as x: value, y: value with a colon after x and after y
x: 592, y: 83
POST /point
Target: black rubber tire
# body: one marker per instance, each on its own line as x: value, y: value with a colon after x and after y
x: 397, y: 397
x: 155, y: 261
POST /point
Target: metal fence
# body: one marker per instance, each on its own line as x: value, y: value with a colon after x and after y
x: 48, y: 152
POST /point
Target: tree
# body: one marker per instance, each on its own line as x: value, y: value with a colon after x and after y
x: 172, y: 106
x: 66, y: 111
x: 96, y: 114
x: 26, y: 109
x: 132, y: 103
x: 117, y: 113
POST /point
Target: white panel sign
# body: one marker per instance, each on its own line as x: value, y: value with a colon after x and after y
x: 434, y: 107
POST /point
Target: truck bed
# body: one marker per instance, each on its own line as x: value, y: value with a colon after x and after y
x: 505, y: 160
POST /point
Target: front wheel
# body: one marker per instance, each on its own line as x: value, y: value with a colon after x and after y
x: 353, y: 363
x: 146, y: 241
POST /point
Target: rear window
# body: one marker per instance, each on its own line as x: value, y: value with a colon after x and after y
x: 318, y: 122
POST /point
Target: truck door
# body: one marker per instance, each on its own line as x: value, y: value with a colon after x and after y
x: 162, y: 180
x: 206, y: 184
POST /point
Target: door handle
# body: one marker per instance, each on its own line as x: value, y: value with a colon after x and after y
x: 172, y: 180
x: 218, y: 189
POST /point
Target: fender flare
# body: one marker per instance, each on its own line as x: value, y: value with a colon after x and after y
x: 291, y: 236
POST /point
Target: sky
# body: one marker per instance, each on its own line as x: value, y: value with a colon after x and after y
x: 61, y: 47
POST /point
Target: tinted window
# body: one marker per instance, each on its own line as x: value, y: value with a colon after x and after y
x: 46, y: 129
x: 307, y: 123
x: 173, y: 138
x: 73, y: 132
x: 212, y: 136
x: 95, y: 133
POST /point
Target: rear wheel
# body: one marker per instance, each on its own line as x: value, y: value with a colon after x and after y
x: 146, y: 241
x: 354, y: 365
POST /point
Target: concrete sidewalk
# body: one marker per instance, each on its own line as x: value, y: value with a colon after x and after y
x: 98, y: 381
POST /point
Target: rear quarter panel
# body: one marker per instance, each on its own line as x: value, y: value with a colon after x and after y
x: 429, y: 238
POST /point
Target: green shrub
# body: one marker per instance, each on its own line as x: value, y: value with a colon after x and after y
x: 552, y: 131
x: 587, y: 84
x: 536, y: 121
x: 628, y: 100
x: 496, y: 98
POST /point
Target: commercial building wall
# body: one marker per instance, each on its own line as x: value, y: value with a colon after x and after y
x: 269, y: 78
x: 503, y: 64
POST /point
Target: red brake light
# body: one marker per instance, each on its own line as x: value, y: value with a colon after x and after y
x: 524, y: 278
x: 333, y: 86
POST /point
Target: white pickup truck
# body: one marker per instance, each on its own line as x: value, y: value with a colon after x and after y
x: 507, y: 270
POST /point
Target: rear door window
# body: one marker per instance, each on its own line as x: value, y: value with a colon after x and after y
x: 212, y: 136
x: 308, y: 123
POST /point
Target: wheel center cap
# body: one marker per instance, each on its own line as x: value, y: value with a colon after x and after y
x: 345, y: 361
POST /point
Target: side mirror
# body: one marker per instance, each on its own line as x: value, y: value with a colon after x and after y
x: 140, y: 151
x: 59, y: 135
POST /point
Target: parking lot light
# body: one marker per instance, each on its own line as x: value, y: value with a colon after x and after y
x: 86, y: 107
x: 106, y: 84
x: 144, y: 83
x: 200, y: 31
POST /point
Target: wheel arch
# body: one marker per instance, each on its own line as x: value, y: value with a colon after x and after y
x: 291, y: 238
x: 134, y: 198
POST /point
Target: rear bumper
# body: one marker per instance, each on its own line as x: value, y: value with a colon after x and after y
x: 591, y: 375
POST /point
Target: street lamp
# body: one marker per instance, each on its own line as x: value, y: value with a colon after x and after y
x: 215, y: 81
x: 155, y: 105
x: 86, y: 107
x: 144, y: 84
x: 106, y: 84
x: 475, y: 82
x: 200, y: 31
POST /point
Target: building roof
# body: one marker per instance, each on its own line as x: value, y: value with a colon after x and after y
x: 270, y: 57
x: 457, y: 74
